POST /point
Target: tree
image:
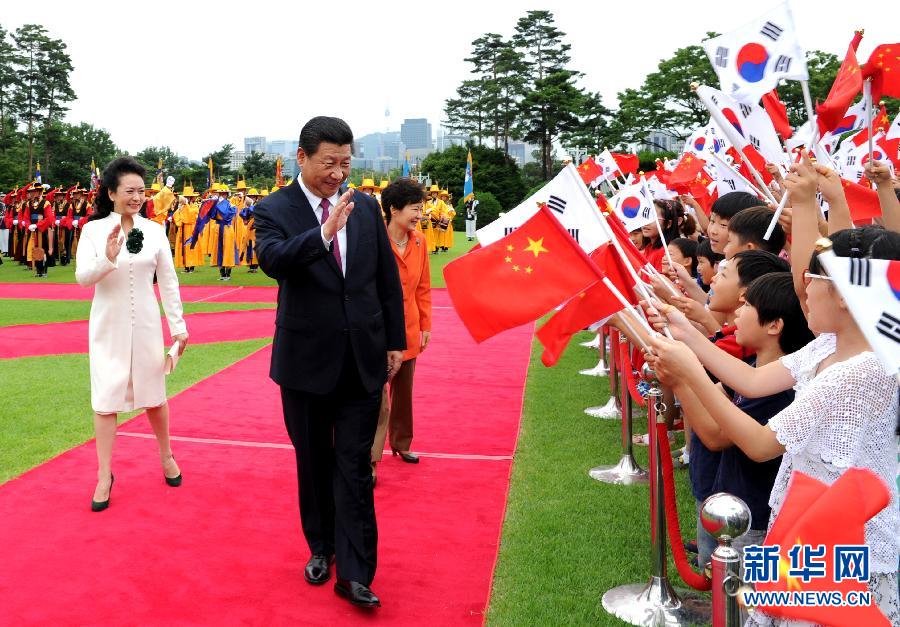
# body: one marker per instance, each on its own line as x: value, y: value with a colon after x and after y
x: 172, y: 163
x: 221, y: 159
x: 592, y: 130
x: 492, y: 170
x: 74, y: 146
x: 257, y: 166
x: 466, y: 113
x: 9, y: 81
x: 551, y: 96
x: 54, y: 92
x: 31, y: 43
x: 489, y: 209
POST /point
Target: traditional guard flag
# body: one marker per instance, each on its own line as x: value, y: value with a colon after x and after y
x: 568, y: 200
x: 37, y: 173
x: 468, y: 183
x: 871, y: 289
x: 634, y: 206
x: 159, y: 172
x: 519, y: 277
x: 745, y: 124
x: 210, y: 177
x: 751, y: 60
x: 847, y: 84
x: 406, y: 163
x: 806, y: 552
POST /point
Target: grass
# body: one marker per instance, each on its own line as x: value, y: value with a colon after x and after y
x: 567, y: 538
x: 26, y: 311
x: 437, y: 262
x: 36, y: 426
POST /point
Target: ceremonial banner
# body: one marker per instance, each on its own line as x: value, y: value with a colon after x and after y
x: 751, y: 60
x: 468, y: 183
x: 568, y: 201
x: 518, y: 278
x: 871, y: 289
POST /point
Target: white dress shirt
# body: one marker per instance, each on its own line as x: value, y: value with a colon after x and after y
x: 315, y: 202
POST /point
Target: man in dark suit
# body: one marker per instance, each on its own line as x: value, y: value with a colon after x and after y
x: 339, y: 335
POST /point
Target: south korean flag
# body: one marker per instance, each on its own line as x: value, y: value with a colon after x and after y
x: 751, y: 60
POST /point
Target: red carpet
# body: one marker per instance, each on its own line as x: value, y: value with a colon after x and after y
x: 60, y: 338
x: 224, y: 293
x: 226, y: 547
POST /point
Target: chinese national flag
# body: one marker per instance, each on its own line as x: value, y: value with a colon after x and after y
x: 627, y: 162
x: 518, y: 278
x: 777, y: 113
x: 808, y: 518
x: 752, y: 155
x: 884, y: 69
x: 847, y: 84
x: 590, y: 171
x: 685, y: 172
x: 591, y: 305
x: 863, y: 202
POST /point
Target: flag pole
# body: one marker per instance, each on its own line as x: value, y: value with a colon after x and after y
x: 743, y: 178
x: 814, y: 129
x: 629, y: 307
x: 659, y: 230
x: 726, y: 127
x: 867, y: 94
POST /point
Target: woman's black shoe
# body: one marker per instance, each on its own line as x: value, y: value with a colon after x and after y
x: 173, y: 481
x: 409, y: 458
x: 99, y: 506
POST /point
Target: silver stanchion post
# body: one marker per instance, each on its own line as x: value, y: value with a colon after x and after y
x: 612, y: 409
x: 727, y: 518
x: 600, y: 370
x: 656, y: 603
x: 627, y: 471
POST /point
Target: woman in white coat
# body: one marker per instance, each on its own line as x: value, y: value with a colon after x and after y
x: 127, y: 356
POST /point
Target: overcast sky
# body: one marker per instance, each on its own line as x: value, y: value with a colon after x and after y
x: 196, y: 75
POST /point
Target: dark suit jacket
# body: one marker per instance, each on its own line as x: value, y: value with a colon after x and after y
x: 318, y: 308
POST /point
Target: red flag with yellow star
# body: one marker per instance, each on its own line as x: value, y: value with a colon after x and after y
x: 685, y: 173
x: 808, y: 517
x: 883, y: 68
x: 518, y: 278
x: 589, y: 171
x: 847, y: 84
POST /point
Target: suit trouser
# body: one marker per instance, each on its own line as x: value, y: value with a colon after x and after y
x: 332, y: 436
x: 470, y: 228
x: 397, y: 419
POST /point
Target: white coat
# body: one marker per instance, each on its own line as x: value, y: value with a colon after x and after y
x: 127, y: 355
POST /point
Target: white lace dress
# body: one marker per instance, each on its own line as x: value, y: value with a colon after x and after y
x: 844, y: 416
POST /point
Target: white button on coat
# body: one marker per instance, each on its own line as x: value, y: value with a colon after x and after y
x: 127, y: 354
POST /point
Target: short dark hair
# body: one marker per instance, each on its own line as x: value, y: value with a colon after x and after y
x: 773, y: 296
x: 324, y: 129
x: 109, y: 181
x: 755, y: 263
x: 704, y: 249
x: 670, y: 214
x: 729, y: 205
x: 400, y: 193
x: 750, y: 226
x: 688, y: 248
x: 871, y: 242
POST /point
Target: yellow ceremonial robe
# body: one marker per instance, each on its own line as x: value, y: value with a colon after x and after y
x: 184, y: 221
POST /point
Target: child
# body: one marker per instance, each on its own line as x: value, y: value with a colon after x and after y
x: 723, y: 210
x: 684, y: 251
x: 707, y: 264
x: 746, y: 231
x: 669, y: 216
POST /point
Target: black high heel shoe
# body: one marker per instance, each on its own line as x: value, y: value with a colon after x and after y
x: 99, y: 506
x: 173, y: 482
x: 409, y: 458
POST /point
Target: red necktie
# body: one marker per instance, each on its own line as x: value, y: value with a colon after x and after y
x: 336, y: 248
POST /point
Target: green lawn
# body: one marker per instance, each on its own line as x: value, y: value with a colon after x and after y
x: 567, y: 538
x: 27, y: 311
x: 437, y: 262
x: 35, y: 425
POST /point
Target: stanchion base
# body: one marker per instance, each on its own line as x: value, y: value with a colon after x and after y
x: 656, y: 604
x: 600, y: 370
x: 595, y: 343
x: 626, y: 472
x: 610, y: 411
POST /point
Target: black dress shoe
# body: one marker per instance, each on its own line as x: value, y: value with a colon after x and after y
x: 357, y: 593
x: 317, y: 569
x: 173, y: 482
x: 99, y: 506
x: 409, y: 458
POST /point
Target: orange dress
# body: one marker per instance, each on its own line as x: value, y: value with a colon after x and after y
x: 415, y: 276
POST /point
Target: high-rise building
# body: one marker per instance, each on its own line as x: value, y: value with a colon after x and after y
x: 255, y: 144
x: 415, y: 133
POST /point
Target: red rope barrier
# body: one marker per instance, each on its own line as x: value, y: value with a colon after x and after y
x: 630, y: 378
x: 692, y: 578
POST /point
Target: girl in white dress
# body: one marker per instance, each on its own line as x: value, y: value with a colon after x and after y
x: 127, y: 355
